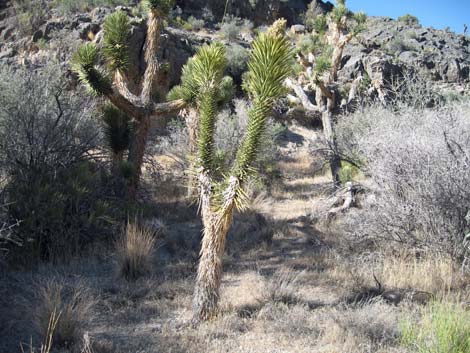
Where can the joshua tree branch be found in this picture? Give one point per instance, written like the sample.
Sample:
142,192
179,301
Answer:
154,25
301,95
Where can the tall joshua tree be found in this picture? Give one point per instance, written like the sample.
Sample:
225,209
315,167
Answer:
320,54
270,64
112,84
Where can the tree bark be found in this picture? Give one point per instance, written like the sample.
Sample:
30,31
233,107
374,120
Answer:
334,159
136,155
209,273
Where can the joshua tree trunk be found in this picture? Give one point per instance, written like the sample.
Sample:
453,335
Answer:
268,70
334,159
191,119
141,108
136,155
209,273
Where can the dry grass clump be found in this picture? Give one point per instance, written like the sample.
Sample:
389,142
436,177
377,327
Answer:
431,273
368,328
134,250
281,287
61,311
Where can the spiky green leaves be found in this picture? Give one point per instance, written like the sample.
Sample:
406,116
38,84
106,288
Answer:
199,73
116,34
270,64
116,128
320,24
203,78
360,18
339,12
84,65
162,6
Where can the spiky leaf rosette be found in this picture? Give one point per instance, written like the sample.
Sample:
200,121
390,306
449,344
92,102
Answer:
83,63
271,62
162,6
116,128
115,46
207,68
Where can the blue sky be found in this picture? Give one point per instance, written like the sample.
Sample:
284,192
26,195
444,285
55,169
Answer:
435,13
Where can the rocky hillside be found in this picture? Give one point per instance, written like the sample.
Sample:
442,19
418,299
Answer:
384,50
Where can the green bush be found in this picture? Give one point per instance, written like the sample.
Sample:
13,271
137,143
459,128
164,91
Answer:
348,172
444,328
409,19
196,24
237,60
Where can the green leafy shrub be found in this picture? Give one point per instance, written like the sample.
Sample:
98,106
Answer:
237,60
444,328
409,19
196,24
348,172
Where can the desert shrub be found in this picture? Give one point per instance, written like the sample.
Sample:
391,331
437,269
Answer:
134,250
417,160
70,306
232,27
282,287
46,140
196,24
409,19
72,6
444,328
237,58
348,172
30,15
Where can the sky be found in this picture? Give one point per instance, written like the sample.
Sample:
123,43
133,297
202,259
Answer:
431,13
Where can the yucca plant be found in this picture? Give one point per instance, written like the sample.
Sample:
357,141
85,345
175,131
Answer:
320,54
270,64
112,83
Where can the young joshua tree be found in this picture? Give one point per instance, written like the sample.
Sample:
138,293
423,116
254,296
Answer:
140,106
320,54
270,64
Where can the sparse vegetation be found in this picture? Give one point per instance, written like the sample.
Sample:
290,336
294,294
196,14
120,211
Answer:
409,20
232,27
64,308
187,205
443,328
134,250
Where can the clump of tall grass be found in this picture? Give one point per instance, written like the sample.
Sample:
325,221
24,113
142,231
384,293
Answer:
61,311
134,251
444,328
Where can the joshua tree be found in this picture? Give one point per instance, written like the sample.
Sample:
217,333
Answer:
269,66
141,106
320,55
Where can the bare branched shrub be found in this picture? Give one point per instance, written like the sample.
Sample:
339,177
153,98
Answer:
418,161
47,136
134,251
68,306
